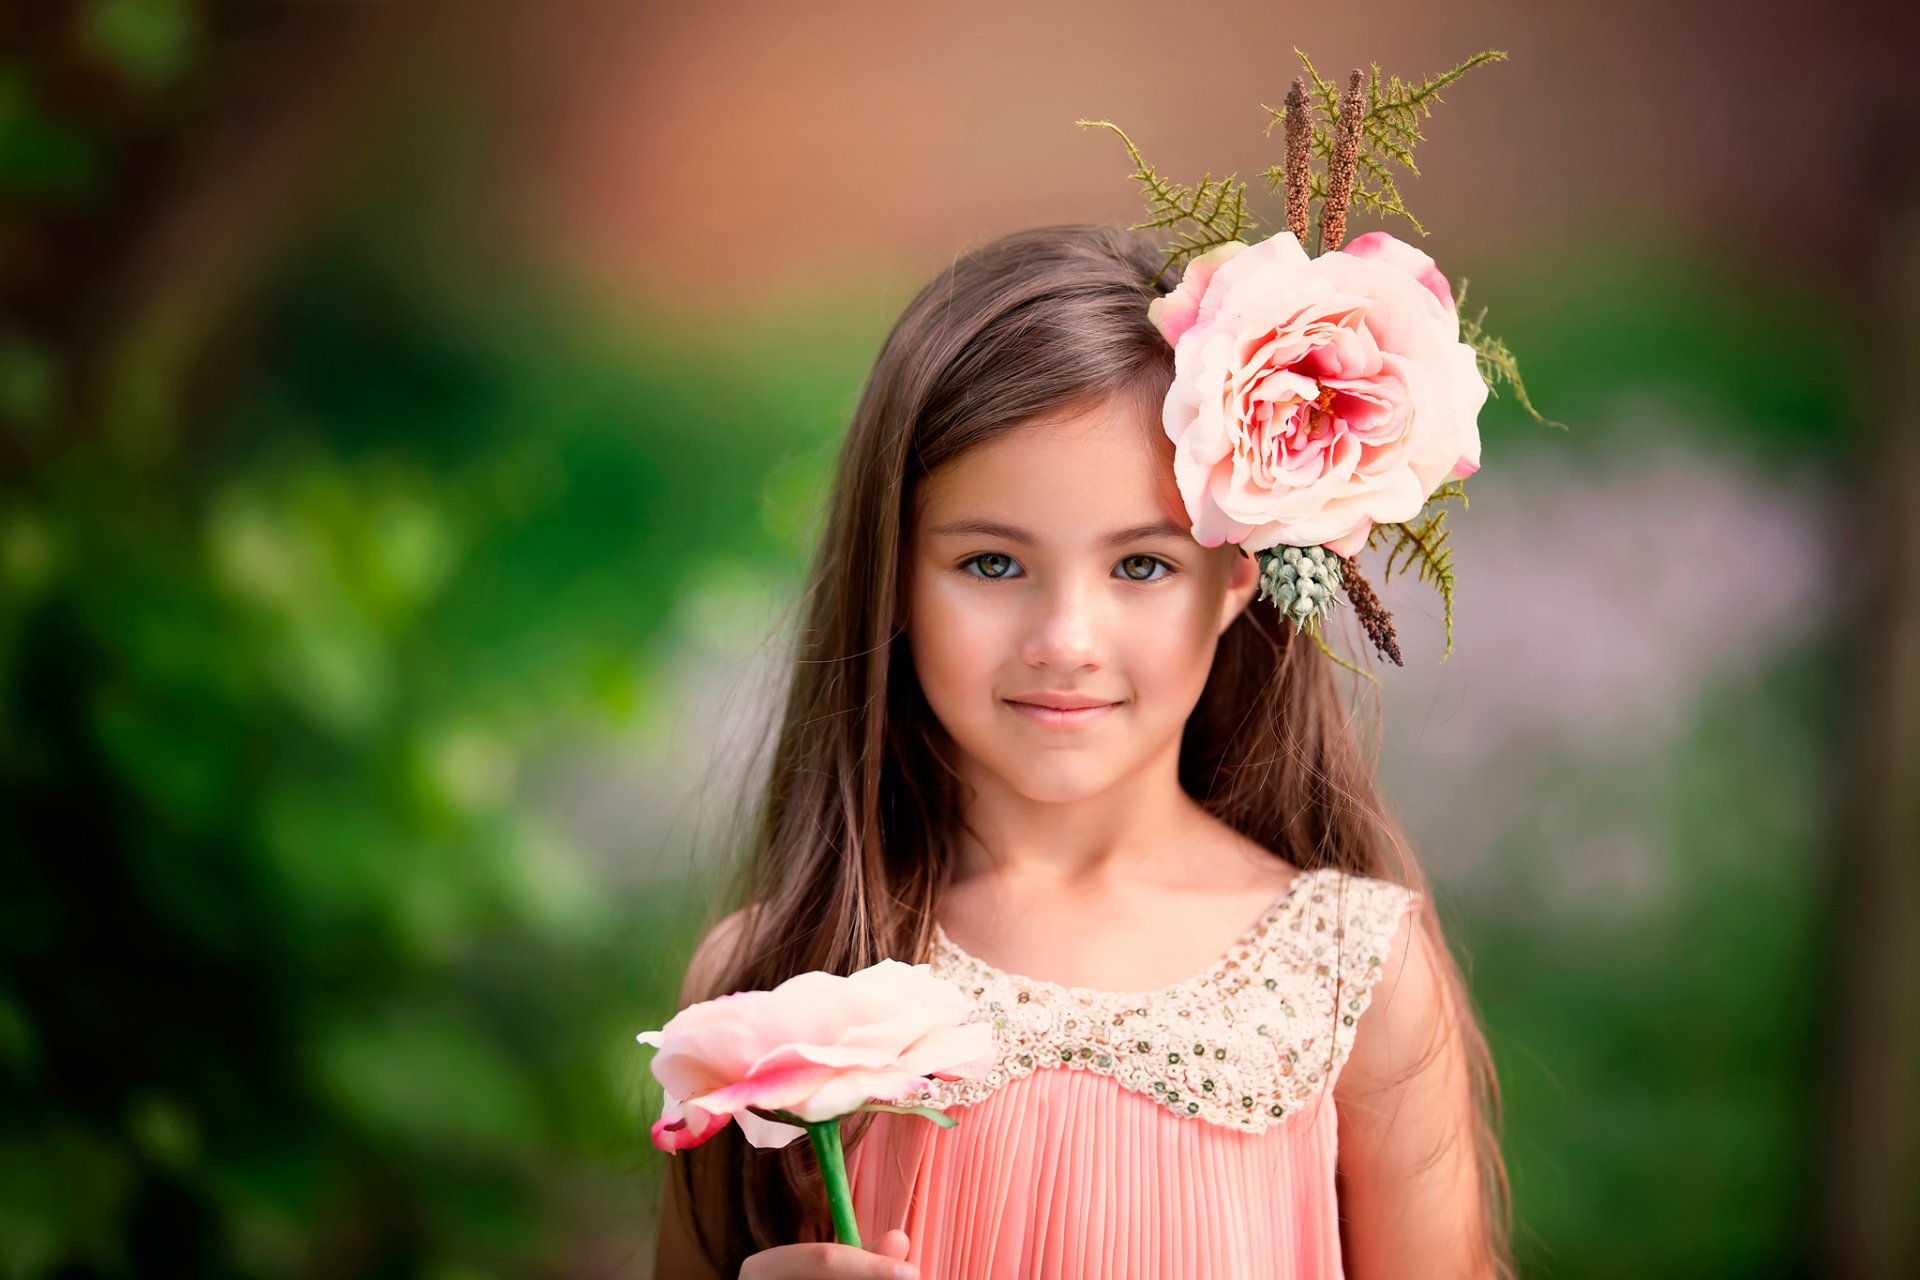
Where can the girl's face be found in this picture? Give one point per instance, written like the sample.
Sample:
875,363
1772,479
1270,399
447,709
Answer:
1056,564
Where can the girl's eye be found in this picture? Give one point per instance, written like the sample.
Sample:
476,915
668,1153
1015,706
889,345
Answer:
1146,564
995,573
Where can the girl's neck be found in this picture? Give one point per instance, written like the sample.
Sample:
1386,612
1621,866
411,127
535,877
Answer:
1123,833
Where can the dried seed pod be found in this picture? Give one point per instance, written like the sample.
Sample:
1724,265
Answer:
1373,615
1346,160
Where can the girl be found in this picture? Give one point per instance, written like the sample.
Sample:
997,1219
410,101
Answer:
1042,739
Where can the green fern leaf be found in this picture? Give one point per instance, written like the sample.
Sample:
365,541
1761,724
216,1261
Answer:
1393,118
1389,131
1201,217
1495,361
1315,631
1421,545
1387,199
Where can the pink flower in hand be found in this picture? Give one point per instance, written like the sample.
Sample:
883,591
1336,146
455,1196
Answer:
817,1047
1313,397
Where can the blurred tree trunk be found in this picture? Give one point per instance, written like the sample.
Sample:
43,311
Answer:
1872,1210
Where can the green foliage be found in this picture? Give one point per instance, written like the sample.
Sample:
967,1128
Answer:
291,944
1421,544
1493,358
1654,990
42,157
1213,213
1389,129
1681,321
1316,629
151,42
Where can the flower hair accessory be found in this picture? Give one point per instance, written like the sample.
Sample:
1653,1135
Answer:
1324,403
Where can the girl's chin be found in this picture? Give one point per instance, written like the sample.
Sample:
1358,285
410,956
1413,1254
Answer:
1044,781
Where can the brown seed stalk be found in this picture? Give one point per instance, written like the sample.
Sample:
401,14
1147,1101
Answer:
1372,614
1299,140
1346,159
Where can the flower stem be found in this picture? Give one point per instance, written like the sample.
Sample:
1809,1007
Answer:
825,1137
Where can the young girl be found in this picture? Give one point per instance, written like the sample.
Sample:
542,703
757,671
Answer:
1042,739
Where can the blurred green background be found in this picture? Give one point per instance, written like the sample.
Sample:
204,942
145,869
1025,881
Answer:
415,419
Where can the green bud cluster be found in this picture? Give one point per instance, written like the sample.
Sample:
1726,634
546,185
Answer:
1303,581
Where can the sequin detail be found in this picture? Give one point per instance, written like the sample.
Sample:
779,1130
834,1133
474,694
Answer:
1244,1044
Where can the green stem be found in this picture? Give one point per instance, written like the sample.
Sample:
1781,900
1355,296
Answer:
825,1137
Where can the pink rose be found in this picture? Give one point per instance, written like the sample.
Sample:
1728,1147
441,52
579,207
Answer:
818,1046
1313,397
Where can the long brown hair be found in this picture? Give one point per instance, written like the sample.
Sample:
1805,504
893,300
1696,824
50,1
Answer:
852,840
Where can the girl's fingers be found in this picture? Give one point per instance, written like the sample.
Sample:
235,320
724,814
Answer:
831,1262
892,1245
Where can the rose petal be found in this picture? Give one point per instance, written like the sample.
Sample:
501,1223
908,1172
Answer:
1313,398
1350,545
680,1128
817,1046
1409,259
762,1132
1175,313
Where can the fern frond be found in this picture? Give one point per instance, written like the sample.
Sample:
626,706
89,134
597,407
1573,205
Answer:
1389,131
1387,198
1321,640
1393,121
1420,544
1327,91
1449,491
1202,217
1494,359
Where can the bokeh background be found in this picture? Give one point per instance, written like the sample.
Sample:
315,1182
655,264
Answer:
413,421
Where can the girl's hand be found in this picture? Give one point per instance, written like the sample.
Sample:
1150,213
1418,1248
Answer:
833,1262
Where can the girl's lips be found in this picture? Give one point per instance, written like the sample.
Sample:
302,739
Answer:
1061,719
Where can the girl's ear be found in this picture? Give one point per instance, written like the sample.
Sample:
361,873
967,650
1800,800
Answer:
1243,583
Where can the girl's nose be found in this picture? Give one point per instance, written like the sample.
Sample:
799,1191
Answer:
1068,632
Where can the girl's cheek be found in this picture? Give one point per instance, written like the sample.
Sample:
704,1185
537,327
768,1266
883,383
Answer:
1175,640
960,638
1182,617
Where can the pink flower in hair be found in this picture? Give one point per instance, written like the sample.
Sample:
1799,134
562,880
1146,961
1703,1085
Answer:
1314,397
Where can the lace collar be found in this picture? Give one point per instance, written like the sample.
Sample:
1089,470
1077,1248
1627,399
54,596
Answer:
1214,971
1244,1043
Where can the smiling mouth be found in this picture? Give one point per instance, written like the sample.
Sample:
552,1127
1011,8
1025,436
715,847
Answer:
1059,717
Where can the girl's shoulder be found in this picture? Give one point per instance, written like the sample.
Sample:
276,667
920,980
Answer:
1326,898
1362,910
1334,932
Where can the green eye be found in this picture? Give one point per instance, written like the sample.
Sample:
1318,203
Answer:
1128,566
991,556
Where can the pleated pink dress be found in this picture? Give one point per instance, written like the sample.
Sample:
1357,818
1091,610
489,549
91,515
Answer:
1187,1132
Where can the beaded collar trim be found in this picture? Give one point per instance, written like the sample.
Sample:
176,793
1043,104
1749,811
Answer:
1243,1044
1212,973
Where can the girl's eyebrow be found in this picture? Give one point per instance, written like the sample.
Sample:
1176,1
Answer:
994,529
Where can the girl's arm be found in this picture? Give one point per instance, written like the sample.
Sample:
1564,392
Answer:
1410,1196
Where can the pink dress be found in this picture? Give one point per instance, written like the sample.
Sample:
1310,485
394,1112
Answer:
1187,1132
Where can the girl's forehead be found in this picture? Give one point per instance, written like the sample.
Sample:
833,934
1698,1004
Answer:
1102,468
